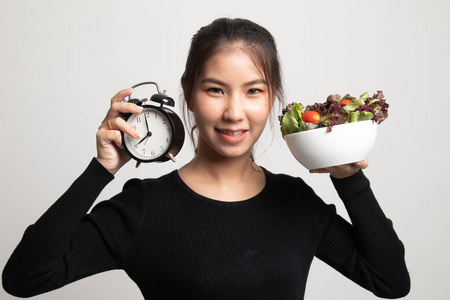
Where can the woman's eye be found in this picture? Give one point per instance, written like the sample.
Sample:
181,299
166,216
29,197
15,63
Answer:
254,91
214,91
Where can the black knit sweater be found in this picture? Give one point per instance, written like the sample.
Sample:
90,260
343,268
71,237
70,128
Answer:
176,244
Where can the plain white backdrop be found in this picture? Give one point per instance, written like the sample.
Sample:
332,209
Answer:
62,61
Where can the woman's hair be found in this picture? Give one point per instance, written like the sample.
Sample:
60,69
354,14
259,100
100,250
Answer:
258,43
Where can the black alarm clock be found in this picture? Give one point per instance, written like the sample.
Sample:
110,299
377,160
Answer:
160,129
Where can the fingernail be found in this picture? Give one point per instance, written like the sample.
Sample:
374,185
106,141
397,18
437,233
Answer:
136,135
139,108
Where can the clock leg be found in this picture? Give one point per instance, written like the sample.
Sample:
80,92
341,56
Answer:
170,155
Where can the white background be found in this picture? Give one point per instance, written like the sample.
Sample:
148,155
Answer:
61,62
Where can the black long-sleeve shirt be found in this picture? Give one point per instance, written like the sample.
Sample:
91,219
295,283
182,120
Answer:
177,244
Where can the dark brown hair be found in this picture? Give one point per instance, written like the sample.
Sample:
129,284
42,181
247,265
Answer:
255,40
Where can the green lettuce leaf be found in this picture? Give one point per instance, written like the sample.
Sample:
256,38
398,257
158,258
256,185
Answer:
363,98
356,116
292,120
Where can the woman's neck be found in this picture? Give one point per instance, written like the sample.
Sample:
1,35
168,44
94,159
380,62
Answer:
224,169
223,178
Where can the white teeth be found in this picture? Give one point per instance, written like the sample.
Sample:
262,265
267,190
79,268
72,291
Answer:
233,133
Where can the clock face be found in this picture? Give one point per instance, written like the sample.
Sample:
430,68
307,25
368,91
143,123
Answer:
156,132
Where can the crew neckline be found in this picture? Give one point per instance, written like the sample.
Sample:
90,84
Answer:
244,202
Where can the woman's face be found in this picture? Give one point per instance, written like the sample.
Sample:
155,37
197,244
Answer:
231,104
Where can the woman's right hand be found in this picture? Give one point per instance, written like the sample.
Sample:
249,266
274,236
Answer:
110,152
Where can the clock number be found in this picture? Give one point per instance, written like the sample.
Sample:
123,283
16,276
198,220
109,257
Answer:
138,120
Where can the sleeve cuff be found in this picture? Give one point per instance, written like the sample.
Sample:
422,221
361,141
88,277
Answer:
351,186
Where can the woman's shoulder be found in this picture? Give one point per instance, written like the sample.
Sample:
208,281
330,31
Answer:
136,193
284,180
294,192
139,183
289,186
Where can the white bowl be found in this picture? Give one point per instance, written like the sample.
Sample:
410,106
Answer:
346,143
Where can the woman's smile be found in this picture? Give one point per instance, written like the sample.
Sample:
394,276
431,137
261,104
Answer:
232,136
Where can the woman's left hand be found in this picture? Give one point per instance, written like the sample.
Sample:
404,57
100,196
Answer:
343,171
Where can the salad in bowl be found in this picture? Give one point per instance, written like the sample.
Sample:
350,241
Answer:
339,131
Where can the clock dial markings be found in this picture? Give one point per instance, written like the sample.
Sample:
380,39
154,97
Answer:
155,143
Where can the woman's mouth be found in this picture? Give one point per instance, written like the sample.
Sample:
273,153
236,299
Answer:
232,135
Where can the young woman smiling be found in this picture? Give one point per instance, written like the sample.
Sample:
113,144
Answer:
231,104
221,227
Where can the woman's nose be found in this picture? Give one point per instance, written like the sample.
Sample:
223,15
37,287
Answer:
234,109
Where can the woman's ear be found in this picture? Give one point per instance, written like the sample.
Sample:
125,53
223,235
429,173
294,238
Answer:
189,102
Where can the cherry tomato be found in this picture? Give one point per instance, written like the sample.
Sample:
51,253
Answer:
311,117
345,102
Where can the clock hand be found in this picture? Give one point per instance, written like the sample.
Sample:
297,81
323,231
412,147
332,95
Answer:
148,131
146,123
149,134
143,139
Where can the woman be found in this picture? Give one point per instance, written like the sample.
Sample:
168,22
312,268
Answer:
221,227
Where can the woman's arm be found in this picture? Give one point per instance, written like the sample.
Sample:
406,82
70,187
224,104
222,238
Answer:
65,244
368,251
37,264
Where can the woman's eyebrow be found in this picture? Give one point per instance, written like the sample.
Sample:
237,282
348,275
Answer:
221,83
256,81
215,81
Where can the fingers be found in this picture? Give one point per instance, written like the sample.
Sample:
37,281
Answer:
125,107
113,120
107,137
119,124
363,164
118,106
343,171
121,95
